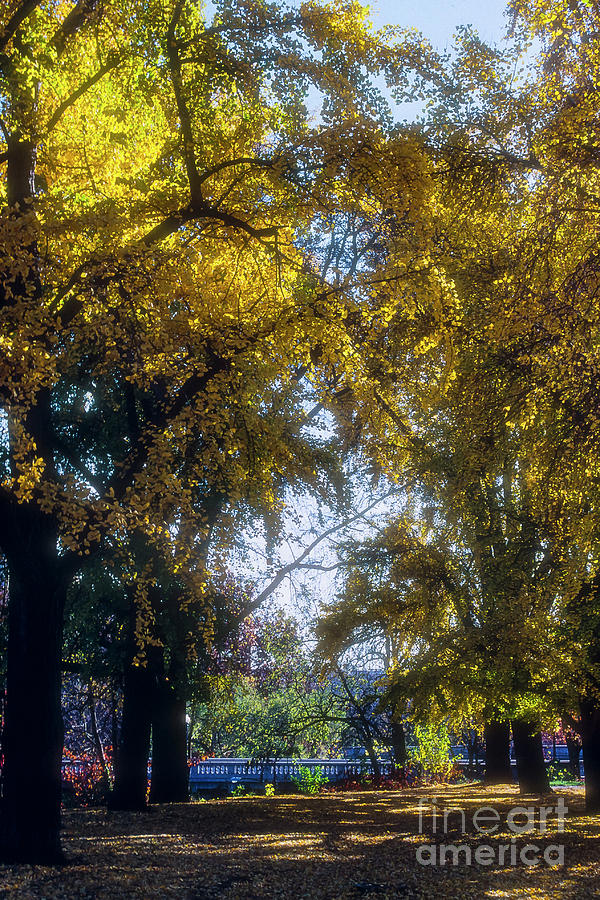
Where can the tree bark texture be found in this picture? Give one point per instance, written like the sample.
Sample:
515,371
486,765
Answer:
529,753
497,753
32,740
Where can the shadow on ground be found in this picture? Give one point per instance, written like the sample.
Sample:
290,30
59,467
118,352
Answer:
331,846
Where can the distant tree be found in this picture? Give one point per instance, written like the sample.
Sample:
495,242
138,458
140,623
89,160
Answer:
262,698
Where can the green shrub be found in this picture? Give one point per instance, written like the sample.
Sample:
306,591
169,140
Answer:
431,757
560,774
309,781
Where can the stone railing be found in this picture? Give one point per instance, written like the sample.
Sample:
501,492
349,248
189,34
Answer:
248,770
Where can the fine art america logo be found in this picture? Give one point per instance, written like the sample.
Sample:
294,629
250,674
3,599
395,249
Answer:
520,820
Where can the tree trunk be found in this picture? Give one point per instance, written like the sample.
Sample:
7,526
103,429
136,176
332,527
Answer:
574,750
590,737
170,774
190,731
133,749
497,753
477,746
529,752
471,750
114,724
32,739
96,738
398,744
373,758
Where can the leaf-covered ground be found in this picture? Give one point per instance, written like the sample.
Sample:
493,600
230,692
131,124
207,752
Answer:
331,846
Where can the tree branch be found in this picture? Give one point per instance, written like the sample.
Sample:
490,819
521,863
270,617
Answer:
16,20
69,310
239,161
297,563
182,109
77,464
72,23
111,63
193,386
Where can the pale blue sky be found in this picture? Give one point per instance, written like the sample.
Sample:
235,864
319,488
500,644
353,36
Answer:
437,19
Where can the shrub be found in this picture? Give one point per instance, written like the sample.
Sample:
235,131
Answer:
560,774
84,782
431,757
309,781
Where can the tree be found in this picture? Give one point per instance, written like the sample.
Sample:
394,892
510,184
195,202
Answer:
463,579
151,265
89,713
526,145
513,340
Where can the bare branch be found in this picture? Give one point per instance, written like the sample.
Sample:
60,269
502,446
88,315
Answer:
297,563
317,567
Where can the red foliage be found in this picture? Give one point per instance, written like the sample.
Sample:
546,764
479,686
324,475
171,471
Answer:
84,781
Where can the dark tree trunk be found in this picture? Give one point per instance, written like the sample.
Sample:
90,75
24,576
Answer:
32,740
190,731
398,744
133,749
574,751
476,743
471,750
590,737
529,753
497,753
170,774
114,724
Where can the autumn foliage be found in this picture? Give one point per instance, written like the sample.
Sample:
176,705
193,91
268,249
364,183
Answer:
227,277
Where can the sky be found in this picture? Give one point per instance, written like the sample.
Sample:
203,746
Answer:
437,19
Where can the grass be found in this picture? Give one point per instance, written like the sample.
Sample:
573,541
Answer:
331,846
